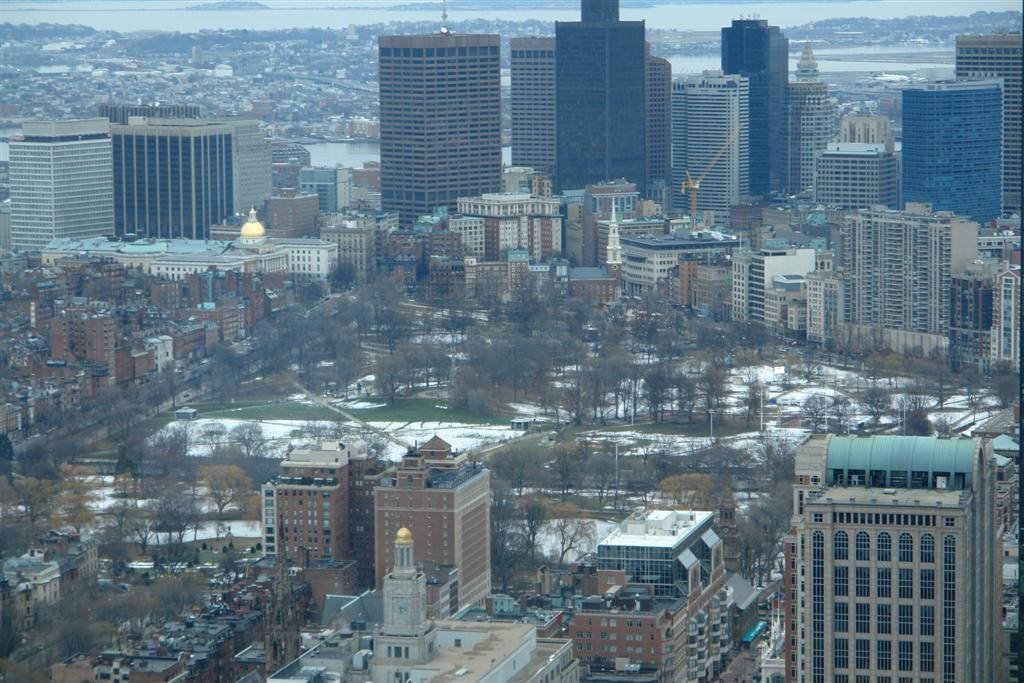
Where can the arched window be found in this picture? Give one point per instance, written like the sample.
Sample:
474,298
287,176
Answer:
906,548
927,548
884,547
840,546
863,546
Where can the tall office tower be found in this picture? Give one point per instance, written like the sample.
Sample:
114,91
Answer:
892,563
857,175
971,330
340,476
709,112
444,499
251,164
600,77
869,129
119,113
323,182
60,178
659,130
172,177
910,256
440,120
999,55
533,103
952,146
810,123
753,273
752,48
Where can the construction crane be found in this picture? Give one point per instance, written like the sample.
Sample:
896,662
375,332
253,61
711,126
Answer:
691,185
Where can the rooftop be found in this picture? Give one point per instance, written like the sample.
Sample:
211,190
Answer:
855,456
657,528
856,495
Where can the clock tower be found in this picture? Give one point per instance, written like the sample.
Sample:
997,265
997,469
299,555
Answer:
406,638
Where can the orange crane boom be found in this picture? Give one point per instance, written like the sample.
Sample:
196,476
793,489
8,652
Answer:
691,185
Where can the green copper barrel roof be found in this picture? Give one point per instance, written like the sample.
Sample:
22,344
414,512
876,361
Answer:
907,453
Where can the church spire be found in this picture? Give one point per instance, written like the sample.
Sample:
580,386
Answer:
614,255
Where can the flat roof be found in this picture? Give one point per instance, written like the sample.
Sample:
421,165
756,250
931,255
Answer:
657,528
859,495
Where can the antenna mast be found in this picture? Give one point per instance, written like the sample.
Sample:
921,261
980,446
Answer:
444,16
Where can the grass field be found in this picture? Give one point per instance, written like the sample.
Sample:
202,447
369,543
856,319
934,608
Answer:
275,410
423,410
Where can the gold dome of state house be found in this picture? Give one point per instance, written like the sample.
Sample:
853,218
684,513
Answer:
252,229
403,536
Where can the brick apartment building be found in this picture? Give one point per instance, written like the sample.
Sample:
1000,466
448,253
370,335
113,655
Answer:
443,498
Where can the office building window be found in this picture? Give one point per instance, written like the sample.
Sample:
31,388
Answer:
863,654
927,584
863,575
883,655
840,654
927,549
906,547
884,545
906,613
863,546
840,546
884,582
884,619
863,617
840,617
906,655
906,584
840,580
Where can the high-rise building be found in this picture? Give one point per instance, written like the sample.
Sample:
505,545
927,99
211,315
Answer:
666,567
857,175
172,177
909,256
971,321
60,177
533,103
250,164
119,113
492,224
754,272
810,123
893,561
1006,311
999,55
709,112
323,182
440,120
658,127
752,48
870,129
444,498
600,83
952,146
320,507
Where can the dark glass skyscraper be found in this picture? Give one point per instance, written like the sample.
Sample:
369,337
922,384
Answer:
172,178
440,120
952,146
752,48
600,76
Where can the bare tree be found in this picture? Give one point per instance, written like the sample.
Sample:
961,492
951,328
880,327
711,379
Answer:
533,515
815,411
573,535
249,437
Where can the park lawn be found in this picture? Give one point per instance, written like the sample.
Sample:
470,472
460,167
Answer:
723,427
276,410
422,410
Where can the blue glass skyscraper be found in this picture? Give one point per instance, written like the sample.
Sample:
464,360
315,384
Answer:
600,72
952,146
752,48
